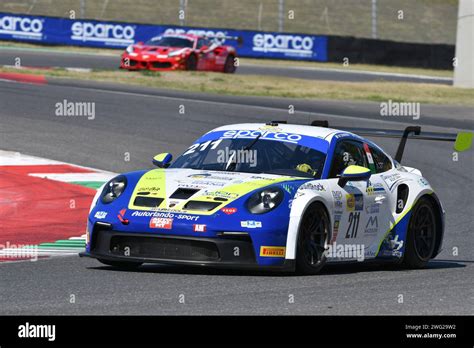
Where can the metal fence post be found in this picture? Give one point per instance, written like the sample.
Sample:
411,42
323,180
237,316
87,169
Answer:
281,16
82,8
374,19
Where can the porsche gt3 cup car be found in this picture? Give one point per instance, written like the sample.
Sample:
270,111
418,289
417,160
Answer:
270,196
180,52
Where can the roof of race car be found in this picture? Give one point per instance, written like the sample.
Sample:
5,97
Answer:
312,131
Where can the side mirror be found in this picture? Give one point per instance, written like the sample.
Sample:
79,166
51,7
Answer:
204,48
354,173
163,160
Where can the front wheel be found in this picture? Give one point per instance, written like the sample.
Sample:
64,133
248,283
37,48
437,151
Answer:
191,63
121,264
313,237
421,235
229,66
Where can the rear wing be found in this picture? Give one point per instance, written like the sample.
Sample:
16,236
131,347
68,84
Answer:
239,39
462,140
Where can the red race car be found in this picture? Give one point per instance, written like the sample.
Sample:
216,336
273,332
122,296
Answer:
180,52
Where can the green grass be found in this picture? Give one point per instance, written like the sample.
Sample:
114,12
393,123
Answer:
429,21
273,86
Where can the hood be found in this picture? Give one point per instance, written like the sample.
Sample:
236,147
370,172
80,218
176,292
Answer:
162,50
196,191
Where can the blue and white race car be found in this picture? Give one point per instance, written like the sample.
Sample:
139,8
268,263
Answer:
270,196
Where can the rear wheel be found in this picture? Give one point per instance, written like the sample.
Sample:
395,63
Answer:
121,264
191,63
229,66
421,235
313,237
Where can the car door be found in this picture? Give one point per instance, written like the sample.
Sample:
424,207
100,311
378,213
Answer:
359,204
206,58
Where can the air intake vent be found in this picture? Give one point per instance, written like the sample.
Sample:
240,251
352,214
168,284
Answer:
149,202
183,193
203,206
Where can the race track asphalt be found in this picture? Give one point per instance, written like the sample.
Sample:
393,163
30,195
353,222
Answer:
50,58
142,123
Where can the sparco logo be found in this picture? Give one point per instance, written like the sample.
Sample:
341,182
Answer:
111,34
21,27
288,44
199,32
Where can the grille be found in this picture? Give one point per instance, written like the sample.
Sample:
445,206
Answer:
163,248
150,202
203,206
183,193
161,65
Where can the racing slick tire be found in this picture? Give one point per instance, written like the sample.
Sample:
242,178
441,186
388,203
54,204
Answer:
313,237
121,264
191,63
421,235
229,66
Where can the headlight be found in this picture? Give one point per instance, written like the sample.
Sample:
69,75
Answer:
264,201
129,49
113,189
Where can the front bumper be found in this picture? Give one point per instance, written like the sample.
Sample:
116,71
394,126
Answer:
138,63
226,252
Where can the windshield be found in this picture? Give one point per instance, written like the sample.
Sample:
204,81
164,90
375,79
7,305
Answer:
169,41
253,156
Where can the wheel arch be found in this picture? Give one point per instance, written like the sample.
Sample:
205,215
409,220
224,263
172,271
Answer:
296,215
439,211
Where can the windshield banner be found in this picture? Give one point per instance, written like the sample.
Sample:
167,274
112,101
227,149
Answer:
79,32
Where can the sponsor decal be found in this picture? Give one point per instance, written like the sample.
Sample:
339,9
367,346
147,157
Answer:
354,202
200,184
100,215
372,209
267,135
335,230
165,214
392,179
372,225
21,27
374,188
199,228
121,216
229,211
291,45
199,176
315,187
337,195
220,194
163,223
149,189
272,251
109,34
251,224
